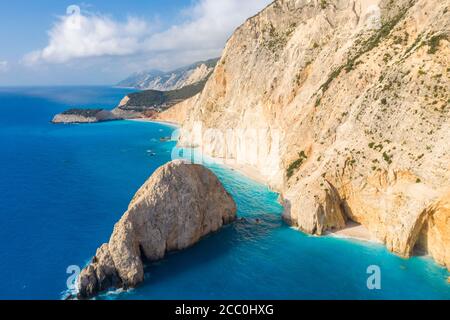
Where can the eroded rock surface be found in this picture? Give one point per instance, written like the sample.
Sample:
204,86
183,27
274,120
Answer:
174,209
358,92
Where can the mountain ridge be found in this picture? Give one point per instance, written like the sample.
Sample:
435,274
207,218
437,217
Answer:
170,80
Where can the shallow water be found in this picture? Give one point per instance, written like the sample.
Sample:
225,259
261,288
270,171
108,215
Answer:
62,188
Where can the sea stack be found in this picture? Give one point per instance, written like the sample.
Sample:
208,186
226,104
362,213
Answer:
177,206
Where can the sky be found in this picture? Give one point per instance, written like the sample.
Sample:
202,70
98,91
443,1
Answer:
100,42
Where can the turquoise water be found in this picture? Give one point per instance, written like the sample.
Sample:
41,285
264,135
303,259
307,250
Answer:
62,188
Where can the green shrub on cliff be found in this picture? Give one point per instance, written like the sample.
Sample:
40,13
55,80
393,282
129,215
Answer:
296,164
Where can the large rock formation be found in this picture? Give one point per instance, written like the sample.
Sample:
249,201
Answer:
174,209
357,94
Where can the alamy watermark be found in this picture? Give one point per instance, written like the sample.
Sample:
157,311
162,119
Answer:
73,271
74,17
374,279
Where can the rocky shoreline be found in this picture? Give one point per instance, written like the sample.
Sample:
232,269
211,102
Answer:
84,116
148,104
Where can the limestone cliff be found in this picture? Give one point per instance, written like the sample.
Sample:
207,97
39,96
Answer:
174,209
178,113
357,94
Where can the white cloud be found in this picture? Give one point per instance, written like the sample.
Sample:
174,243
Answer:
205,28
209,24
3,65
89,35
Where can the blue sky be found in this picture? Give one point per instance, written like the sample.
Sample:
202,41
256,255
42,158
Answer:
106,40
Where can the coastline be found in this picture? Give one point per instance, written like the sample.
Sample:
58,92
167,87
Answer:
247,171
168,123
353,231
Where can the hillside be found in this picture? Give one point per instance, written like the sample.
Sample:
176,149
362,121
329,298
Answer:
150,102
172,80
351,99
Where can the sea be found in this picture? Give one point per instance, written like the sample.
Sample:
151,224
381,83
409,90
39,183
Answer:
63,187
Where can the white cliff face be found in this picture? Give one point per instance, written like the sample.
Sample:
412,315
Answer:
178,113
198,74
354,98
174,209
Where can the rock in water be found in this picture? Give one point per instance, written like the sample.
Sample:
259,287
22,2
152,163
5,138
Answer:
174,209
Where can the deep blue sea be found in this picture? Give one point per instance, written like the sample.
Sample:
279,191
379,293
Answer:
62,188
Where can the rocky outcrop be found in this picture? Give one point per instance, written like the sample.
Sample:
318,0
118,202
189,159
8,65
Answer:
435,234
84,116
174,209
357,92
321,210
